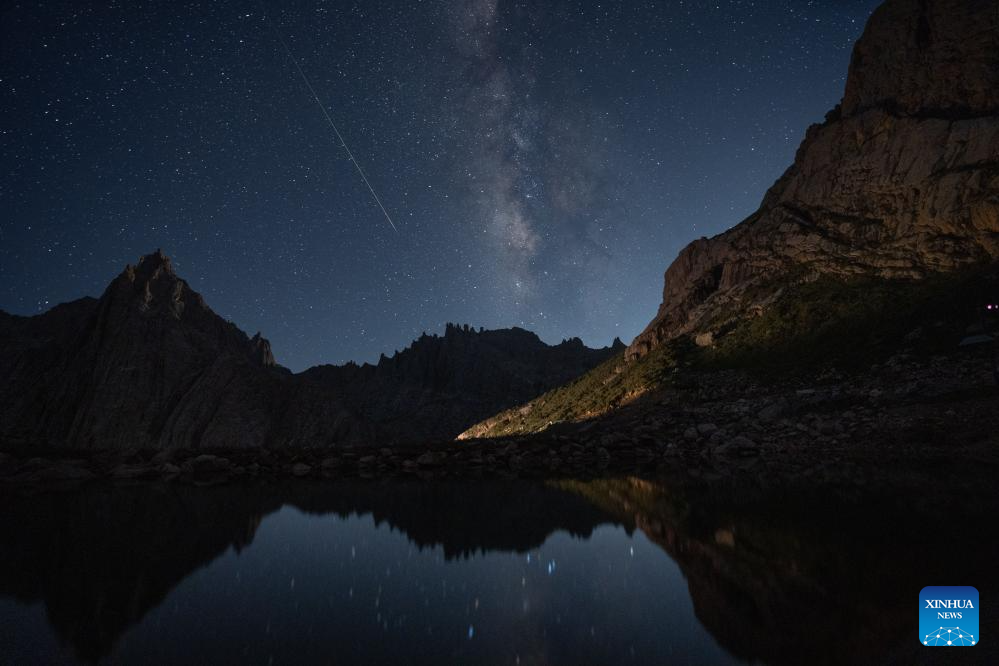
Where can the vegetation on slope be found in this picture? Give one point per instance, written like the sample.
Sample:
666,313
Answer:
606,387
853,323
848,324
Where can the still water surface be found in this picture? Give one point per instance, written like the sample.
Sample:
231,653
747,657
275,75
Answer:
622,570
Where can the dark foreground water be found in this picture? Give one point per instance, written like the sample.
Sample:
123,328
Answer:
622,570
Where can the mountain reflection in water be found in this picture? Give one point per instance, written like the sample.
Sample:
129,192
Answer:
573,572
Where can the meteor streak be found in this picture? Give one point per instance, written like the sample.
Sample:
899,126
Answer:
329,118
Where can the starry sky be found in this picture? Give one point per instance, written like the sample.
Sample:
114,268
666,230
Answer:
542,161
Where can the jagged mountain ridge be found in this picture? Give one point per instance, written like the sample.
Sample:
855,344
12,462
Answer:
900,181
436,384
150,365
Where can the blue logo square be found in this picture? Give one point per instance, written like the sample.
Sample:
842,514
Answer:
948,616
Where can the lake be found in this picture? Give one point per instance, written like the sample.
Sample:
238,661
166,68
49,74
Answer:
600,571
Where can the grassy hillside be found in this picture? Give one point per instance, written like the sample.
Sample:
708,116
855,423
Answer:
848,324
852,323
606,387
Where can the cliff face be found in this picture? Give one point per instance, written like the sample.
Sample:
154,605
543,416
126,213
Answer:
902,180
149,365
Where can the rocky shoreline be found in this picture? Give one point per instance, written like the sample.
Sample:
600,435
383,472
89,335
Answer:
907,404
831,426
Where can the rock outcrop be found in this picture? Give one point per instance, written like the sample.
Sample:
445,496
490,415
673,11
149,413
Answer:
900,181
149,365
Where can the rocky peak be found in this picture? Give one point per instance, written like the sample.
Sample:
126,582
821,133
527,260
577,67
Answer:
260,348
455,329
150,299
152,286
150,365
151,266
901,181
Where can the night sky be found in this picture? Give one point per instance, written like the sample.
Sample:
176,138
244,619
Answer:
543,162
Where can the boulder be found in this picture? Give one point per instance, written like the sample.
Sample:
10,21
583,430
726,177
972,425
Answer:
208,464
428,459
773,411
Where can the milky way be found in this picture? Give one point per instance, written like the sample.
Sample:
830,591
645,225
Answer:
544,161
